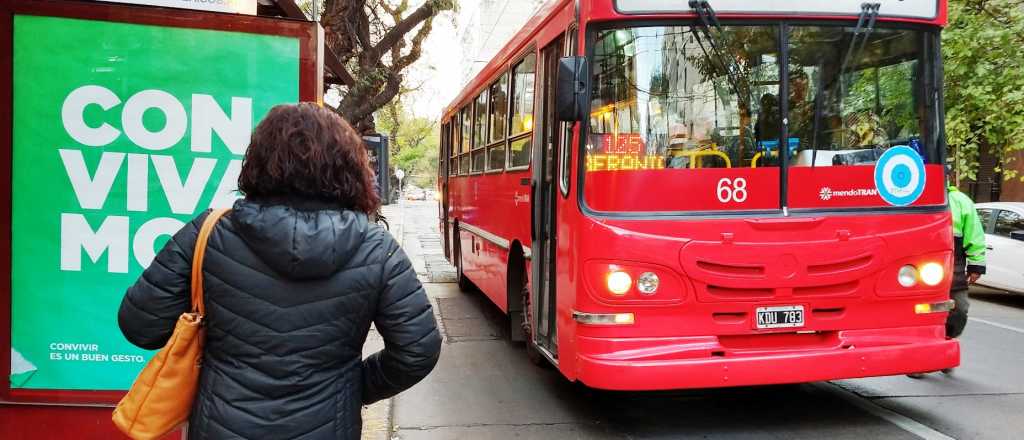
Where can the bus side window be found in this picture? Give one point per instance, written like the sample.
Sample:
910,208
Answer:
479,132
442,163
453,145
465,139
498,121
523,82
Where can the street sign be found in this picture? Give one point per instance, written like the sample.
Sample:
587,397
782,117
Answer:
377,149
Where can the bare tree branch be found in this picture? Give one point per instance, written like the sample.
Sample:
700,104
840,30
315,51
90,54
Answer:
372,41
425,12
417,47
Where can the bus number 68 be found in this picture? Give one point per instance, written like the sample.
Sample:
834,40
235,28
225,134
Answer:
732,190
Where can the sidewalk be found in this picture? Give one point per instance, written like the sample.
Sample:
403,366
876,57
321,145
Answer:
422,243
483,387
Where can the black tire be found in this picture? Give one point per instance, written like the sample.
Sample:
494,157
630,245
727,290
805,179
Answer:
518,325
532,352
464,283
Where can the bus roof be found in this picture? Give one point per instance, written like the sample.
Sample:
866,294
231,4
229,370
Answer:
928,10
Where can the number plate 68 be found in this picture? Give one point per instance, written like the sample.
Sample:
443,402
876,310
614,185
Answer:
732,190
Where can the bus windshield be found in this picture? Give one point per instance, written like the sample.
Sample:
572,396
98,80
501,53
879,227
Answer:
701,113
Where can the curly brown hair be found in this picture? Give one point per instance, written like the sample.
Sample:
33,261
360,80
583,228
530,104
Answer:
306,152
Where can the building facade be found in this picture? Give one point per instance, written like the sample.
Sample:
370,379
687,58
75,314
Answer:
990,185
484,26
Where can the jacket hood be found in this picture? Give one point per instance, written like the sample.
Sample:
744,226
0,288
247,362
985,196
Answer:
300,239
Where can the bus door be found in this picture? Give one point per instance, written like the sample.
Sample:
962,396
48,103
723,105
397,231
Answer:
442,180
545,195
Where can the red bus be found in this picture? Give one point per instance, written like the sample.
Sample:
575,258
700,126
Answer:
665,194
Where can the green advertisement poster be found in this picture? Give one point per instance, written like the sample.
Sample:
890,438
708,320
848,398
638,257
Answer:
122,133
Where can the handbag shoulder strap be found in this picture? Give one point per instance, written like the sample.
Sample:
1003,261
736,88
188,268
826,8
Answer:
197,259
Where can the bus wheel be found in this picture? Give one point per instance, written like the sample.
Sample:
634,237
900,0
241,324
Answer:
464,283
532,352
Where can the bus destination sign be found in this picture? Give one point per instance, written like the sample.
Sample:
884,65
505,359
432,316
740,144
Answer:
921,9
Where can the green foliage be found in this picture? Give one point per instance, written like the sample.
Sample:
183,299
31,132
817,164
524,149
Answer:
895,96
983,48
414,145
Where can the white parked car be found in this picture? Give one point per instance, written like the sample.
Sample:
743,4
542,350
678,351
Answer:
414,193
1004,238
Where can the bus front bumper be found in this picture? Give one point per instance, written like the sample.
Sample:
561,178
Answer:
726,361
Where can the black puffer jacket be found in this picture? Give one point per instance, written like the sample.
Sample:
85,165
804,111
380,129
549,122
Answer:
291,290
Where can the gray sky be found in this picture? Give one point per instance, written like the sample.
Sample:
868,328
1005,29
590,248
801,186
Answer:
438,70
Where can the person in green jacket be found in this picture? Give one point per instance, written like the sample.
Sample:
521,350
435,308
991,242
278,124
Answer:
968,257
968,260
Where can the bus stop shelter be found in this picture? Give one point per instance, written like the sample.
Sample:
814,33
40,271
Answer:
120,122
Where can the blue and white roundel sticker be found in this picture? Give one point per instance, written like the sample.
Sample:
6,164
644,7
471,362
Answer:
900,176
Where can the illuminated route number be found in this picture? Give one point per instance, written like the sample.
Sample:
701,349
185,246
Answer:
732,190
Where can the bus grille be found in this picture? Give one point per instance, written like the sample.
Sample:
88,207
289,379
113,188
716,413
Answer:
777,271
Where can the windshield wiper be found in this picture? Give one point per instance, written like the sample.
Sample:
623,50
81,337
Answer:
865,24
709,19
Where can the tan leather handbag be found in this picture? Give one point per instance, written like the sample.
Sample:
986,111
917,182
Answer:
161,397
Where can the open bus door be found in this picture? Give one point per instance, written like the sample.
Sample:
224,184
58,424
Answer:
442,185
545,185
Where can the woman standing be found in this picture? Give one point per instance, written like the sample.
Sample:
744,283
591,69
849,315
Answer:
294,275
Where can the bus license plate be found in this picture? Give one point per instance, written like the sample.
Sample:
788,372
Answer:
780,317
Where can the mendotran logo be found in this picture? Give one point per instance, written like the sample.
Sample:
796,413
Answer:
828,193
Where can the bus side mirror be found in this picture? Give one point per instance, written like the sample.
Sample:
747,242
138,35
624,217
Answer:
570,95
1017,235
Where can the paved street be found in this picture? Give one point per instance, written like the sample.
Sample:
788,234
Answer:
485,388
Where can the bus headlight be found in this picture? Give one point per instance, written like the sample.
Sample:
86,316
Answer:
619,282
647,284
907,276
932,273
624,282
